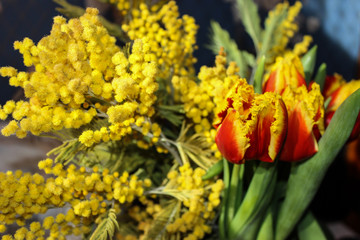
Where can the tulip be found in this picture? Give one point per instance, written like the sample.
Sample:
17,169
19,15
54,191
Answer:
331,84
305,122
251,126
337,97
287,71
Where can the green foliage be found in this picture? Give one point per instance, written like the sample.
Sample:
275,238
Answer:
308,61
259,72
67,151
247,219
172,113
251,20
321,75
162,219
221,38
309,228
194,147
106,229
223,225
270,36
214,170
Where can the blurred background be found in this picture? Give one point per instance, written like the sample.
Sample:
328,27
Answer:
334,25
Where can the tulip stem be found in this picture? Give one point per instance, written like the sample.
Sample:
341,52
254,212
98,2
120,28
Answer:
240,187
223,212
231,205
256,201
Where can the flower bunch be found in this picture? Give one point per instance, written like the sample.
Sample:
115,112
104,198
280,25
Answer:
87,195
142,133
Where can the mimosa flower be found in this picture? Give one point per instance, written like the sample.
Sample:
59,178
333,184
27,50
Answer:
338,96
287,71
251,126
305,122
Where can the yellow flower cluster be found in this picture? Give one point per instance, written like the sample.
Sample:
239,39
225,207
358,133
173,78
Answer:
172,39
203,198
88,193
133,90
124,6
81,74
202,101
287,29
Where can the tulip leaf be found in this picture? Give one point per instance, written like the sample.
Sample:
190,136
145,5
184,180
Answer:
221,38
309,229
321,75
259,75
266,231
306,176
214,170
251,20
248,217
308,61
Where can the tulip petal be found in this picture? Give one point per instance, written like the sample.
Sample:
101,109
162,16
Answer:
269,134
305,121
300,142
231,140
287,71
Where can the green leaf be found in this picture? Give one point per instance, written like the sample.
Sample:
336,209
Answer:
270,36
246,221
172,113
259,75
221,38
251,20
162,219
321,75
306,176
266,231
309,228
214,170
106,228
308,61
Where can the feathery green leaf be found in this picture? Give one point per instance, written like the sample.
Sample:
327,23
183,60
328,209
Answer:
251,20
162,219
106,229
221,38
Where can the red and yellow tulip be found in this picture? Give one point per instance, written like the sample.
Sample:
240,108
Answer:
305,108
287,71
251,126
337,97
306,122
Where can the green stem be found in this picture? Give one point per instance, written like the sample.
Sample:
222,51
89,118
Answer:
231,205
222,219
257,199
240,186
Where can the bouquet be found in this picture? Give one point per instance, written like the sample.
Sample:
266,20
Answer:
153,149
